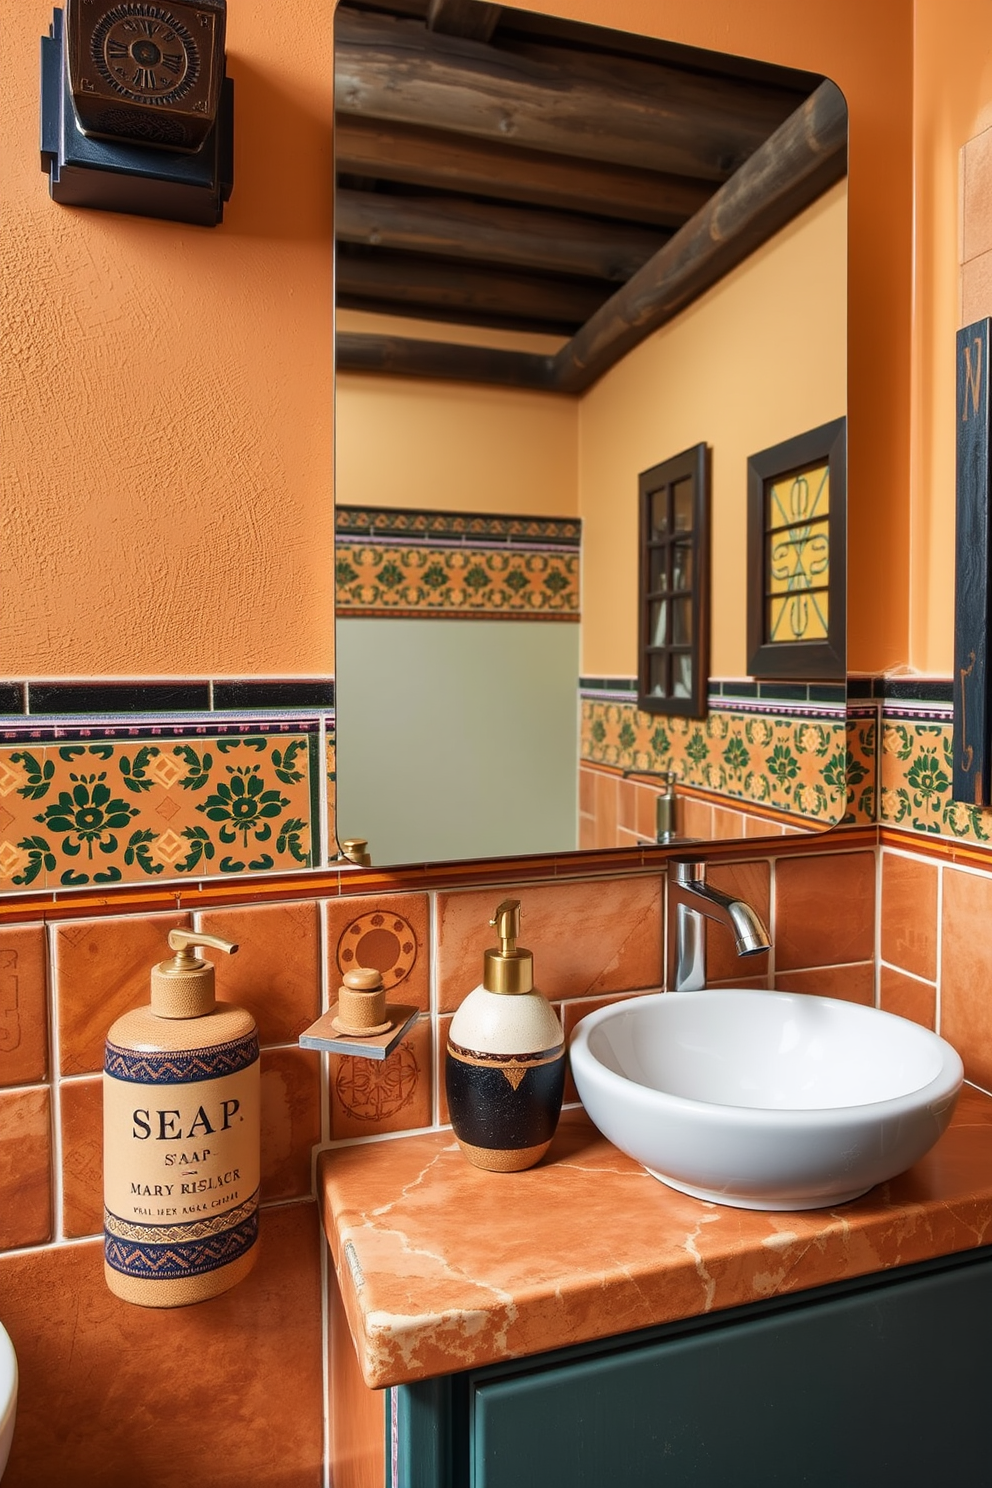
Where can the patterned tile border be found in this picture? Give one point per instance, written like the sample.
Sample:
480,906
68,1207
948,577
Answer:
794,760
129,802
916,773
415,564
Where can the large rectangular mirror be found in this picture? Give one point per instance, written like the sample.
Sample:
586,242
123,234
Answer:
564,256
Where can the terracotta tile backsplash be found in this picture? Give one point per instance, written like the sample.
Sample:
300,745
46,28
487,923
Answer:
25,1167
907,996
275,974
594,941
966,971
824,910
23,1005
588,938
103,1385
82,1156
849,983
102,969
389,933
290,1121
372,1096
909,914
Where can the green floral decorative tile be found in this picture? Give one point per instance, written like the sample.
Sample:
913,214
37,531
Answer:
467,582
793,763
116,804
917,765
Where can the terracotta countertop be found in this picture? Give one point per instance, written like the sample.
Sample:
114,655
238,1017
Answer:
443,1267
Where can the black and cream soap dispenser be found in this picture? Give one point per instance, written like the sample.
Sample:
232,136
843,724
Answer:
505,1065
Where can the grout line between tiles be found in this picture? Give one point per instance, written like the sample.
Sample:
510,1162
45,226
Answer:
877,978
939,950
54,1074
325,1352
912,975
433,1003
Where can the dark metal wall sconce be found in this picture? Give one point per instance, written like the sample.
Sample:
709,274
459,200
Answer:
137,113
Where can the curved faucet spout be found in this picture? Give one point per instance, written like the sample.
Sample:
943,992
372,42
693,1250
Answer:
689,899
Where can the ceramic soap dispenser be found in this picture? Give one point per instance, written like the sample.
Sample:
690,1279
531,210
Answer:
181,1152
505,1065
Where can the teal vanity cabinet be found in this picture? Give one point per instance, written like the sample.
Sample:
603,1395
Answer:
882,1382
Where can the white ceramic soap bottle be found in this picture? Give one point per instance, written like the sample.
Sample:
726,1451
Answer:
505,1065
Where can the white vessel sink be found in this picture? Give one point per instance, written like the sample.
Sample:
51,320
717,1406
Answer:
8,1395
764,1100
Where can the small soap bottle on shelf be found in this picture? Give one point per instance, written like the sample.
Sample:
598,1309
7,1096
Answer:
505,1064
181,1150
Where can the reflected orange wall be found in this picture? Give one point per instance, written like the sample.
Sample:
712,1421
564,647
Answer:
759,358
167,443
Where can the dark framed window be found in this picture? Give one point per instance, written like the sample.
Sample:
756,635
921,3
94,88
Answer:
673,585
797,556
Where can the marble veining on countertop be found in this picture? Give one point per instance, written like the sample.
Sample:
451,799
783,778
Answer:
443,1267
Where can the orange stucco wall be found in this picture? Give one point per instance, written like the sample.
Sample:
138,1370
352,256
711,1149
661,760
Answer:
167,399
166,390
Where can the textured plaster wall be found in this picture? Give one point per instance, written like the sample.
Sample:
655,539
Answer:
166,390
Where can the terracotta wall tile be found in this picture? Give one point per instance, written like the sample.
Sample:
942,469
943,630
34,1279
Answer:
908,997
695,818
390,932
440,1045
25,1167
824,910
370,1096
587,833
102,969
909,914
854,983
587,790
23,1005
106,1396
750,881
966,971
647,812
759,983
607,809
275,974
82,1156
728,823
627,796
588,938
290,1121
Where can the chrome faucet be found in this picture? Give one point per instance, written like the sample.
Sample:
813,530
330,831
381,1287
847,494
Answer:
689,900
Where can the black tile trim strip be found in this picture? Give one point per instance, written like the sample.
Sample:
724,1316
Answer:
908,689
68,699
46,730
831,694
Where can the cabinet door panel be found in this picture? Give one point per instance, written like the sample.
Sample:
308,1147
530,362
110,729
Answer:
886,1386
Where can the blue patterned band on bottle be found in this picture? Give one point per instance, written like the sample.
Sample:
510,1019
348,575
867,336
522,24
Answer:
164,1252
181,1067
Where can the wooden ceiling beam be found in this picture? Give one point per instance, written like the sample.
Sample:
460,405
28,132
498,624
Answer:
549,242
805,156
402,356
433,158
605,108
801,161
475,19
429,290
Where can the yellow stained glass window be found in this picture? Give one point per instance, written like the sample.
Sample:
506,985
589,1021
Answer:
797,557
